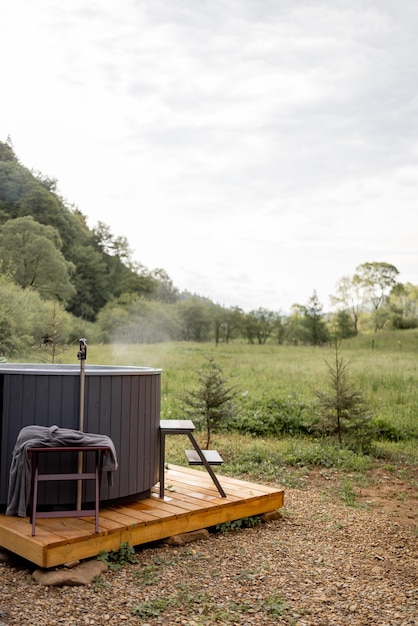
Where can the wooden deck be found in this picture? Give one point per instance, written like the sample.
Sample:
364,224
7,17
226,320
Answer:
191,502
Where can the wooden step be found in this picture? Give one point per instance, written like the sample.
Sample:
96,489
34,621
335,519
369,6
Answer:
212,457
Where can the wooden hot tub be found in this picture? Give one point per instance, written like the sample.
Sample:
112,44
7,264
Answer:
122,402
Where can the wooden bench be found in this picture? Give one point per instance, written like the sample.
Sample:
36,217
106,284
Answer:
36,477
197,456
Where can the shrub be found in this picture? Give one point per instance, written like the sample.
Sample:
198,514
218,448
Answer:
273,417
390,431
324,454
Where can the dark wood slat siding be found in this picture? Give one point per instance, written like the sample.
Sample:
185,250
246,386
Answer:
128,415
157,402
125,406
97,412
145,443
144,410
49,410
43,400
6,445
125,414
135,437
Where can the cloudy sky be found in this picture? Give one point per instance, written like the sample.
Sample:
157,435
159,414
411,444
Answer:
257,150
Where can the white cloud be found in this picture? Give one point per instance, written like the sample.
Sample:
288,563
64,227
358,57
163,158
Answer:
255,150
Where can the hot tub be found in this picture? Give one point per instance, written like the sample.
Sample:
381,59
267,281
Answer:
122,402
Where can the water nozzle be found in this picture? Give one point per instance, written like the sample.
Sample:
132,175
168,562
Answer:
82,353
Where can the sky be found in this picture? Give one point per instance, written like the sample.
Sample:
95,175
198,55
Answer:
256,150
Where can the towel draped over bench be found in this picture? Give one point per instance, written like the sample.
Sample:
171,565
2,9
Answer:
48,437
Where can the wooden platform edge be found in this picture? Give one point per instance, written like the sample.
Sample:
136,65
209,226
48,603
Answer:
15,532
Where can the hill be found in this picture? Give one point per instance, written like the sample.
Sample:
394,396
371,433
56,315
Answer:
99,264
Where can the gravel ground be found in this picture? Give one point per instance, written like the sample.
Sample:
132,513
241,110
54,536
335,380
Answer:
322,563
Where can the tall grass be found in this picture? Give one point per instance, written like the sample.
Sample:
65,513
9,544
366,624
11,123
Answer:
382,367
386,373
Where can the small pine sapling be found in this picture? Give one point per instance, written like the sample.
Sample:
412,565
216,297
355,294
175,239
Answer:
212,402
342,411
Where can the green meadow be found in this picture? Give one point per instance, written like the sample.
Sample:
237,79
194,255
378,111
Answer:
383,367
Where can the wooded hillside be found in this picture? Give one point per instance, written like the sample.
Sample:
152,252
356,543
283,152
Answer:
97,265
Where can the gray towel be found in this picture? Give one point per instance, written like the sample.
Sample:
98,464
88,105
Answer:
48,437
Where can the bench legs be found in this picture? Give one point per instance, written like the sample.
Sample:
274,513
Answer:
162,464
199,452
37,477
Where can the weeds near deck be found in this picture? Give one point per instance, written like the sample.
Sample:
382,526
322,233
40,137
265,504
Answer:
115,559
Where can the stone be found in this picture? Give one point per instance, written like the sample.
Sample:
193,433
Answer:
82,574
71,564
271,516
6,556
181,540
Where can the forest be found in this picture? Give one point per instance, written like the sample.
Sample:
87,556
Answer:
60,279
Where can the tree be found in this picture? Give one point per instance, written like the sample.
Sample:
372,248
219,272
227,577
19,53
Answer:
218,314
212,403
403,303
295,326
30,254
123,274
233,322
195,319
344,326
314,321
109,244
6,151
44,206
91,281
342,411
349,298
13,178
259,325
164,289
22,313
103,266
376,280
56,333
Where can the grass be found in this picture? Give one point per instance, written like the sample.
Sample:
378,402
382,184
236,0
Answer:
382,367
386,375
283,461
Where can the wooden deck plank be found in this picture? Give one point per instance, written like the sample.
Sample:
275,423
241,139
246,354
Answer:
233,484
192,503
226,480
182,493
203,486
65,528
183,504
233,491
202,477
193,491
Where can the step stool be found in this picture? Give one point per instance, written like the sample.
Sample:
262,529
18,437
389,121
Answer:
212,457
185,427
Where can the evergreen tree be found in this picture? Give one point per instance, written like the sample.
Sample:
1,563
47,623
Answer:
212,403
342,411
313,319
